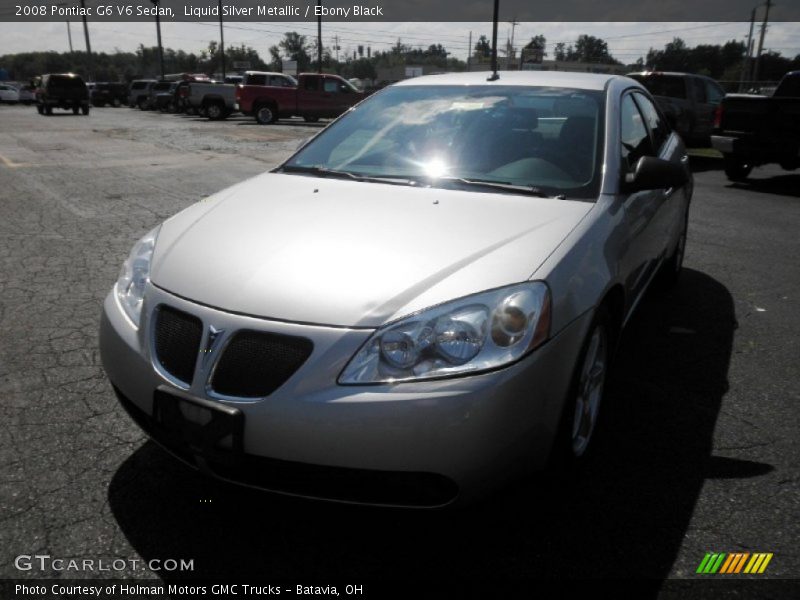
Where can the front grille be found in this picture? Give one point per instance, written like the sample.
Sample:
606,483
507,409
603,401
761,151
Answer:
177,342
254,364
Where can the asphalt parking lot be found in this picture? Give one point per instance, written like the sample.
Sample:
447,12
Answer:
699,452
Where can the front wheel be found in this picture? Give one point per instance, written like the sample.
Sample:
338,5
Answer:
581,413
265,115
75,110
40,109
85,110
737,169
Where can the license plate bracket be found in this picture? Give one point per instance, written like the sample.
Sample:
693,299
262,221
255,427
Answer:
207,429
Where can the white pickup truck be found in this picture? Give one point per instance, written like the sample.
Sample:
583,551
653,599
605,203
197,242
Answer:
217,100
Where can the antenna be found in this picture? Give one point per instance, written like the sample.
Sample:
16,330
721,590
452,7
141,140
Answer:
494,76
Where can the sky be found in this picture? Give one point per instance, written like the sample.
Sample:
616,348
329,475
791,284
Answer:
626,41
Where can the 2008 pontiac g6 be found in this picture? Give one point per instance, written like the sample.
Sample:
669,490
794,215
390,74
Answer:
418,305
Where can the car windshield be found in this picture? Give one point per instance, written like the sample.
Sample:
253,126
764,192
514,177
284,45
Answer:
542,138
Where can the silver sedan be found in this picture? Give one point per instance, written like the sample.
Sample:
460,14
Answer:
420,304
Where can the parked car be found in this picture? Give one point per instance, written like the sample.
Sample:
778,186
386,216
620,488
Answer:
66,91
315,96
757,130
165,101
8,94
159,87
139,92
27,94
212,99
421,303
112,94
687,100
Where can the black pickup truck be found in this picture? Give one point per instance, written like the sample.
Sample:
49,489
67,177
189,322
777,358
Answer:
751,131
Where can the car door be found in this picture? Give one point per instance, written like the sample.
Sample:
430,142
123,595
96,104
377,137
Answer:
641,209
311,96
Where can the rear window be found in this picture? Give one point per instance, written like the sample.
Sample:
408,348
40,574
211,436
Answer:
256,80
160,87
671,86
65,83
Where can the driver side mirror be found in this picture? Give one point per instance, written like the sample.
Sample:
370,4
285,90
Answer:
652,173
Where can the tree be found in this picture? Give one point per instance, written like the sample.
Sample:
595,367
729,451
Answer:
590,49
560,51
483,48
534,50
295,47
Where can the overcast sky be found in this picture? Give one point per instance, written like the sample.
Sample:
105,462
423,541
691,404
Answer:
626,41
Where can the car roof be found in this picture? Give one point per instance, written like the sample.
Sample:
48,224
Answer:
582,81
668,73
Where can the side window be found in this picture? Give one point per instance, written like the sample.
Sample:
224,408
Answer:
658,126
714,92
256,80
635,141
331,86
699,90
311,84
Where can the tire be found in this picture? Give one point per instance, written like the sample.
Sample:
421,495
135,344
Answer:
265,114
579,420
48,110
75,110
85,110
40,109
140,104
737,169
116,103
215,111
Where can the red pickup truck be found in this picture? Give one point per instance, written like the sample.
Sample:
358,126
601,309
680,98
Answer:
315,96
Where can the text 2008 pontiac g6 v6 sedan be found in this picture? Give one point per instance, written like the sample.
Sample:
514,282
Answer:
419,304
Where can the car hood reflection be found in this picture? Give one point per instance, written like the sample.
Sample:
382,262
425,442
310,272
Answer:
347,253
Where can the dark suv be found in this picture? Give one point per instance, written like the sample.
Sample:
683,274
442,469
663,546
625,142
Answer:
67,91
114,94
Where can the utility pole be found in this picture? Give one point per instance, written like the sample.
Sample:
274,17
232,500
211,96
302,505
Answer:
469,53
88,44
221,41
336,46
319,37
514,24
748,66
158,33
761,40
69,35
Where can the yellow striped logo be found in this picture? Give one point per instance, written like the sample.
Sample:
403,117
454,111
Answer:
734,563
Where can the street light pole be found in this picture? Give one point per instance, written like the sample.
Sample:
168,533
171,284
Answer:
494,76
88,44
158,33
761,40
319,38
221,41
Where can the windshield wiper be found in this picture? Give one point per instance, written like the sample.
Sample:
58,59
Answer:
530,190
326,172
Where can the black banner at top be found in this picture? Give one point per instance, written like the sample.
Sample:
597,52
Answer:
395,10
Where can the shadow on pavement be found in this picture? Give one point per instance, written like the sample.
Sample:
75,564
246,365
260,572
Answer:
780,185
625,515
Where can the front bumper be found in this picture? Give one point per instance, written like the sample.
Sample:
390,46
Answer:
450,440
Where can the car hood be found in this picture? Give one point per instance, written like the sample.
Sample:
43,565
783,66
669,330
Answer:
353,254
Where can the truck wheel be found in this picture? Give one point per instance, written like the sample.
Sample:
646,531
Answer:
140,103
215,111
737,169
265,115
75,110
85,110
40,109
48,110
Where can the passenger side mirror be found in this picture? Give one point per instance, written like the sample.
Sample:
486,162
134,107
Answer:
652,173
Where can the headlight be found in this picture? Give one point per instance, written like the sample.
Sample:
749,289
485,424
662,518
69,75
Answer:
134,275
476,333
